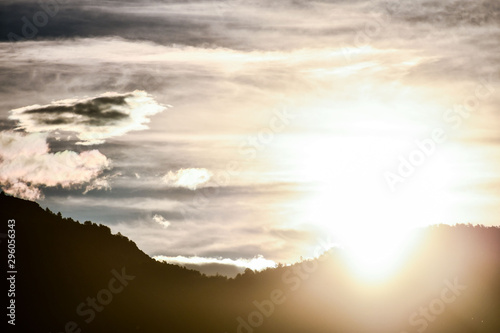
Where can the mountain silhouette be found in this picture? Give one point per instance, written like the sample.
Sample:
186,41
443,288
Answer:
74,277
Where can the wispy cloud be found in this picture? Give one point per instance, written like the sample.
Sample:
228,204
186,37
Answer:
161,220
94,119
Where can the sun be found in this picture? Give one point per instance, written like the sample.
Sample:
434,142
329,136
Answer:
376,257
348,198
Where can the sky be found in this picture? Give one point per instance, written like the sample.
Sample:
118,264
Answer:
234,134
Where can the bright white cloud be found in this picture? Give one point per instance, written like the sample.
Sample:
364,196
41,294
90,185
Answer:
161,220
189,178
26,165
94,119
257,264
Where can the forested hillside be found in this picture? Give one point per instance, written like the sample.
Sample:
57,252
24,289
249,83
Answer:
74,277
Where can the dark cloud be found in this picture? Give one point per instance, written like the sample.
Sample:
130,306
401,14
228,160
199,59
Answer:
447,13
103,19
95,112
92,119
231,24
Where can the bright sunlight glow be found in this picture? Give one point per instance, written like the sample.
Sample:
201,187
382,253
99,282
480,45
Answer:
350,200
373,256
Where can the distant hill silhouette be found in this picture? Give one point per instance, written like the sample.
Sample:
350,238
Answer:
75,277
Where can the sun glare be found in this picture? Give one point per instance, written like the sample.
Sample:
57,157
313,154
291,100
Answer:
348,198
376,256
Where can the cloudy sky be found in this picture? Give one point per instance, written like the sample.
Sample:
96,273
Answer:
245,133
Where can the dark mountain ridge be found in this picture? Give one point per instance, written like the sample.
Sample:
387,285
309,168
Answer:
74,277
